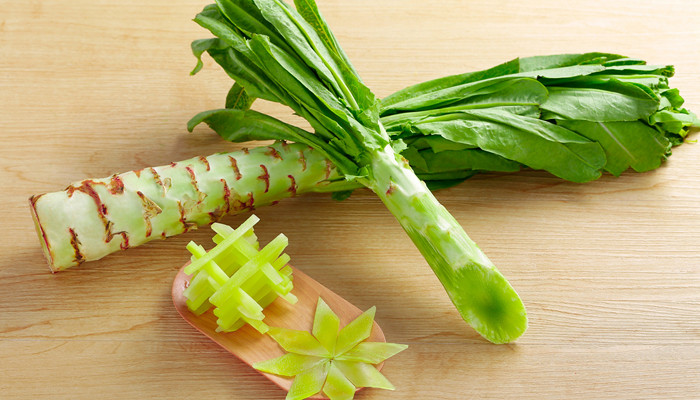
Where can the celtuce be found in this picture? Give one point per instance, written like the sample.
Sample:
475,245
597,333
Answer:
446,139
96,217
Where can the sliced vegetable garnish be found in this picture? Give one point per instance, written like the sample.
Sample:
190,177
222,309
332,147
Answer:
238,278
335,363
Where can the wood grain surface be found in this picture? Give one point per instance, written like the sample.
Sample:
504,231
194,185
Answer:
609,270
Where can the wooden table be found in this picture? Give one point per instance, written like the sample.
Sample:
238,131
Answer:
609,270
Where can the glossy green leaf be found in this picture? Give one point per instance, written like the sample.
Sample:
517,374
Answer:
309,382
309,11
238,98
290,364
363,375
337,386
355,332
626,144
499,91
530,141
246,17
599,102
326,326
458,160
300,342
372,352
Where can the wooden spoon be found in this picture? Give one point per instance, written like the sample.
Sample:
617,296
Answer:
251,346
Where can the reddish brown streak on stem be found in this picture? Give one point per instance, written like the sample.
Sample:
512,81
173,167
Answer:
302,160
32,203
205,162
249,204
75,243
328,168
156,177
125,240
227,196
186,225
234,166
245,150
272,152
116,186
293,187
86,187
147,215
265,176
391,189
193,179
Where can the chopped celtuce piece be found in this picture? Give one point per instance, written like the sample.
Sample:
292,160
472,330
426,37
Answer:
299,342
237,278
371,352
343,358
338,386
309,382
355,332
363,375
290,364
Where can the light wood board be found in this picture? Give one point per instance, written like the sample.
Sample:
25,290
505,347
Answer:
609,270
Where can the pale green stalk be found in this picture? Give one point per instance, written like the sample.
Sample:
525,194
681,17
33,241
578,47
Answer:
95,217
482,295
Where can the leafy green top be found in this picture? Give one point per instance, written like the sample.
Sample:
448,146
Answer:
330,360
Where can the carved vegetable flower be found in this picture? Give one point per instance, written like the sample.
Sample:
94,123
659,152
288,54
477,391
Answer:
330,361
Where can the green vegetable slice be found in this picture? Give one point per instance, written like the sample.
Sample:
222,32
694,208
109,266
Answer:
337,373
309,382
355,332
326,325
372,352
300,342
338,386
290,364
363,375
237,278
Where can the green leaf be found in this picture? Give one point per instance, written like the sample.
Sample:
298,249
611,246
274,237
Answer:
342,195
300,342
355,332
372,352
599,101
305,43
363,375
238,98
459,160
444,182
309,11
390,102
530,141
289,364
337,386
202,45
246,17
326,325
244,125
538,66
626,144
564,60
497,91
309,382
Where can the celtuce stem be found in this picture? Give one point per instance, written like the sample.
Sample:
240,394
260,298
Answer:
95,217
483,296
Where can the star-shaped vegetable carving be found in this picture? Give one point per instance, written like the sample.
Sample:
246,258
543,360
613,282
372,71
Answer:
328,360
